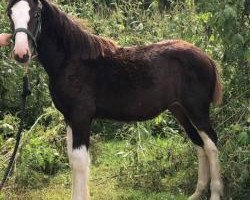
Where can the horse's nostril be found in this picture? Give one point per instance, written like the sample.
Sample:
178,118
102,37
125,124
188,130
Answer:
23,59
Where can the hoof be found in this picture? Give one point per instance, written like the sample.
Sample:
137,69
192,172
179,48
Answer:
215,197
194,196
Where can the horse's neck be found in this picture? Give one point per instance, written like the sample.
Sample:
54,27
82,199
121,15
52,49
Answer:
62,40
50,53
57,43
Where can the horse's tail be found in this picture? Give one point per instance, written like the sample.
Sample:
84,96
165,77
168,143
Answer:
217,90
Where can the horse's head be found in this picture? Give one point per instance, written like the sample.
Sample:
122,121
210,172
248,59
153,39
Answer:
25,17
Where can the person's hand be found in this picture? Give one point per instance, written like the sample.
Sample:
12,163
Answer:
4,39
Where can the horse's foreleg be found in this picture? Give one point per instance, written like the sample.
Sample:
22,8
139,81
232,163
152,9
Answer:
80,166
203,174
77,142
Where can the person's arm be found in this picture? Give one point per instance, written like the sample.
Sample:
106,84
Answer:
4,39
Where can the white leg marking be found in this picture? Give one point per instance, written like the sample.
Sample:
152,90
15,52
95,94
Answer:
69,143
211,150
21,18
203,174
79,160
80,165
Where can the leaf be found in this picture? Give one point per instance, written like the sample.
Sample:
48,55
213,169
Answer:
243,138
238,39
229,13
247,55
7,126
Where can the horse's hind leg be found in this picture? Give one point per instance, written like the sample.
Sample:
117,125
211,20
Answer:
203,171
203,174
200,118
216,185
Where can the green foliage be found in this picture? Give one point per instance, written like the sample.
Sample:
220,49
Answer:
154,157
43,148
235,160
44,151
156,164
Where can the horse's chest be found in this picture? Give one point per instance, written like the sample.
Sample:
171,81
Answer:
56,97
69,89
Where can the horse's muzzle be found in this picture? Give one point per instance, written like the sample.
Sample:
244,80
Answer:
24,58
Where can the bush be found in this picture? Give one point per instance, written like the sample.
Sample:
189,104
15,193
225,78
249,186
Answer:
156,164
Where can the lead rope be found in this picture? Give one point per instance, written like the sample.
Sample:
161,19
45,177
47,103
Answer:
25,93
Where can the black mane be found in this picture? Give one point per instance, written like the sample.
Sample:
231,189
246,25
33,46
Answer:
70,36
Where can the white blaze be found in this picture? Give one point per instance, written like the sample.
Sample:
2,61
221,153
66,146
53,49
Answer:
21,18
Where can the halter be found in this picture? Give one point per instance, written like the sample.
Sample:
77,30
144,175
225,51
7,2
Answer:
34,36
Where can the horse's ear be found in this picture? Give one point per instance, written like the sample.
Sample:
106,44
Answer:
42,1
10,4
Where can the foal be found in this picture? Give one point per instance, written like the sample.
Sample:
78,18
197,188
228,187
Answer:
90,77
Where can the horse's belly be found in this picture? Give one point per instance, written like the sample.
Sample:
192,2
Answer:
132,110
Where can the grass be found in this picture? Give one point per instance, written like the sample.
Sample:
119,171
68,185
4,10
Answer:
103,182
